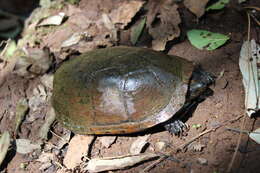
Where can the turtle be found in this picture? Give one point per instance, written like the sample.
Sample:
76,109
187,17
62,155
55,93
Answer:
123,90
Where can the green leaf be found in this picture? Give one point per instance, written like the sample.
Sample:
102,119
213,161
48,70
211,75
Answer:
203,39
218,5
4,145
255,135
9,50
137,30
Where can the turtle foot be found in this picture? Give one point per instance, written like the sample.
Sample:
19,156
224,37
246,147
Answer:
176,127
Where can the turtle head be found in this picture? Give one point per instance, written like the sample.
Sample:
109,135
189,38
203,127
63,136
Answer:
199,84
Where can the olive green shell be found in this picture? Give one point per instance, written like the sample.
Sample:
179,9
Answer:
119,90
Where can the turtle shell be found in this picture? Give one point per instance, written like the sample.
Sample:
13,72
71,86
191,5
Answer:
119,90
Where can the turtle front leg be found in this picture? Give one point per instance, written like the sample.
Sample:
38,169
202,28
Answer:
176,127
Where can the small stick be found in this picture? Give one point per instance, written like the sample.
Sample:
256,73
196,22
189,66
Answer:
181,147
241,131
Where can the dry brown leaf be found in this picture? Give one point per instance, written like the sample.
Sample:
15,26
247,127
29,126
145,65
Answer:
78,147
196,7
53,20
163,19
138,145
106,164
35,62
107,141
45,128
122,15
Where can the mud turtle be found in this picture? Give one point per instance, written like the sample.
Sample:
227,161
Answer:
123,90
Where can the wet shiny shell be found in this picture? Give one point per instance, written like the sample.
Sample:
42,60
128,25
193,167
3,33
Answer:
119,90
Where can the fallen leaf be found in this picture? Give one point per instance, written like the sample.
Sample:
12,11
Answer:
162,20
138,145
196,7
137,30
203,39
122,15
107,141
249,66
45,166
255,135
8,50
9,63
47,160
44,130
78,147
47,80
4,145
38,98
25,146
220,4
46,157
74,39
107,164
53,20
21,110
34,62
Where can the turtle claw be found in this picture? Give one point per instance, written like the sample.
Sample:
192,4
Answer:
176,127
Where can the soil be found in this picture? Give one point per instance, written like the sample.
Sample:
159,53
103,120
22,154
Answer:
226,104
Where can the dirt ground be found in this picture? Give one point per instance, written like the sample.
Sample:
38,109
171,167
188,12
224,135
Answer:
226,104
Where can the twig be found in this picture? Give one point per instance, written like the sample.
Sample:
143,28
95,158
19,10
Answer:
181,147
241,131
149,167
235,119
237,146
59,136
244,119
253,7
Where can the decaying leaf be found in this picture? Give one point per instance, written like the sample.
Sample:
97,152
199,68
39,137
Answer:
74,39
53,20
122,15
47,80
4,145
218,5
21,110
249,66
203,39
137,30
162,20
9,62
255,135
107,141
107,164
38,98
138,145
50,117
25,146
34,62
196,7
46,157
78,147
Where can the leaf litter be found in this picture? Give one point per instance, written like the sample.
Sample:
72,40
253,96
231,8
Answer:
102,31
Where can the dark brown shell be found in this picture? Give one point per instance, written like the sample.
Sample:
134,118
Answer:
119,90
